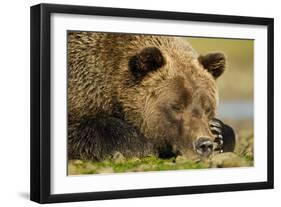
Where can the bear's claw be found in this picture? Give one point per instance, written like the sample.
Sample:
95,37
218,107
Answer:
225,138
216,127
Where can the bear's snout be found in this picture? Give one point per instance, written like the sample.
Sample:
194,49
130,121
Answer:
204,146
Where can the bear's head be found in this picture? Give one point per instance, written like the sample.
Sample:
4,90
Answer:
173,97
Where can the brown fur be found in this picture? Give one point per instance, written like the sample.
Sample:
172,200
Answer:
171,103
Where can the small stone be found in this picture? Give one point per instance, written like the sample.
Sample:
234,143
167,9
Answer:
90,167
181,159
135,159
118,157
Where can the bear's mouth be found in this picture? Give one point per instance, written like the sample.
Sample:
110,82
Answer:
167,151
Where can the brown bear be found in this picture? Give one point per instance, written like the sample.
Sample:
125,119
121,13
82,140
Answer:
140,95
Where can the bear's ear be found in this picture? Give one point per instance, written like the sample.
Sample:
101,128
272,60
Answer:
149,59
214,63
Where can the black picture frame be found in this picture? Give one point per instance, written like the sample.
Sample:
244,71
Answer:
41,96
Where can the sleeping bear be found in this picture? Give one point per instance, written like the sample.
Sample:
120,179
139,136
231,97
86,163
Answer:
142,95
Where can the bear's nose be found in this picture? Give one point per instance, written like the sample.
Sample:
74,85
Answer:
204,146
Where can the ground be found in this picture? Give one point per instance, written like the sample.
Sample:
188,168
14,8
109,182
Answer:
242,157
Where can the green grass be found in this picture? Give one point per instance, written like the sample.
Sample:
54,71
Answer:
131,165
77,167
243,156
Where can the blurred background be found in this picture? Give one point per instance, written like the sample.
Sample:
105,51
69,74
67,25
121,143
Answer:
235,86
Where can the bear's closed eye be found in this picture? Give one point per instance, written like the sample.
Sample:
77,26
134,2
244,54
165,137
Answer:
177,107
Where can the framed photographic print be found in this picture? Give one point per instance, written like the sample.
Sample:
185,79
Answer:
133,103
